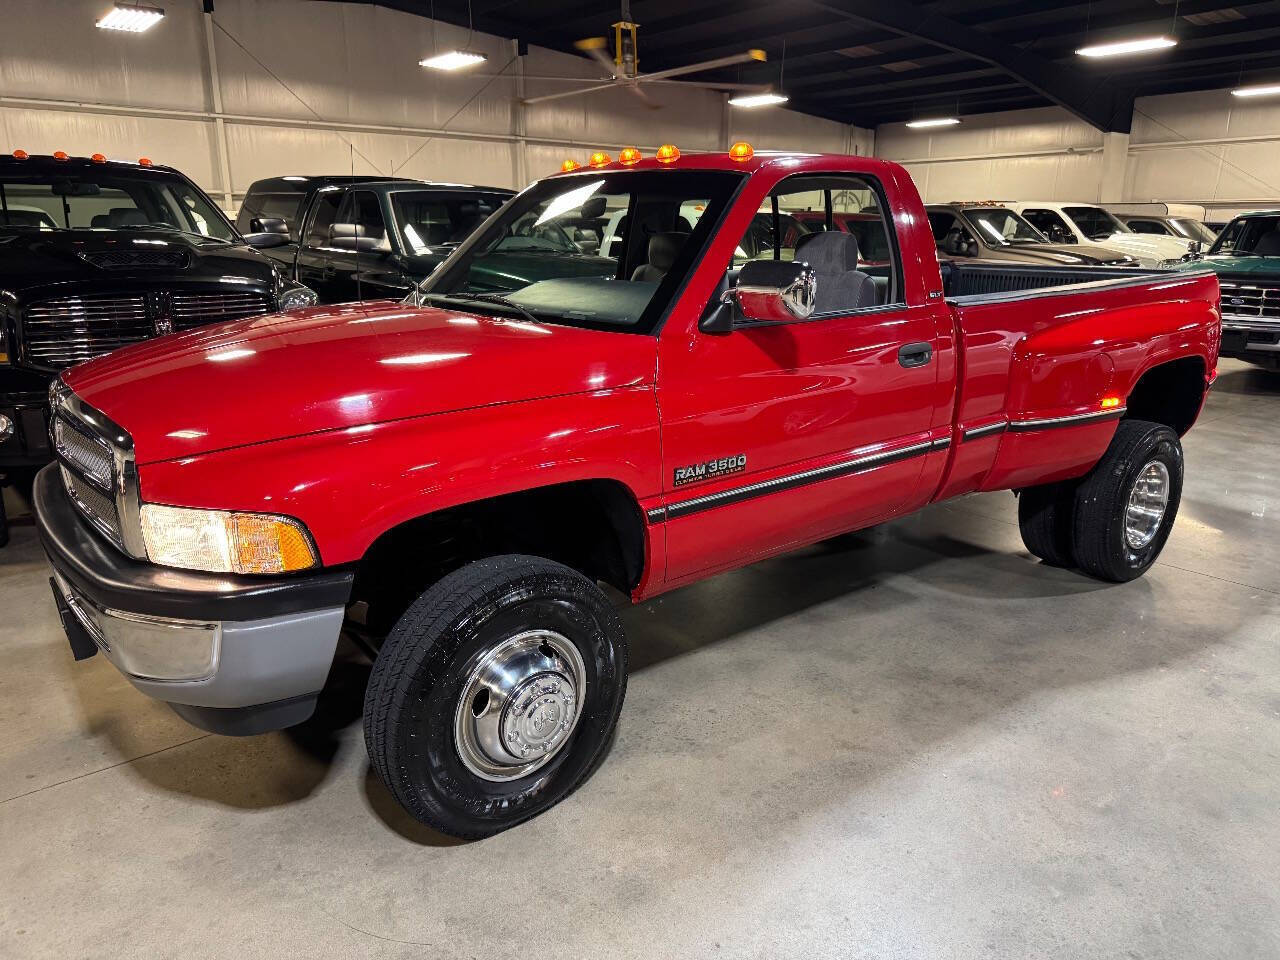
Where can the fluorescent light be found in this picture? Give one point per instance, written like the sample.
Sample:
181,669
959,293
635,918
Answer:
1142,45
758,100
453,60
1263,91
935,122
131,18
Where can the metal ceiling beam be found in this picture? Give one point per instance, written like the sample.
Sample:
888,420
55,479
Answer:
1099,101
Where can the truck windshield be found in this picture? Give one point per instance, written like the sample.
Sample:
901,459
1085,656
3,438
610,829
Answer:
1094,222
1249,237
109,200
606,250
1190,229
437,218
999,226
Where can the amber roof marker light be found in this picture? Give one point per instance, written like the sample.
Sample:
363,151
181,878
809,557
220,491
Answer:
20,155
569,166
628,156
600,159
741,151
668,153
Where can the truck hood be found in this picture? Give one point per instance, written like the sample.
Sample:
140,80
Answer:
1235,266
1145,246
31,259
1065,254
328,368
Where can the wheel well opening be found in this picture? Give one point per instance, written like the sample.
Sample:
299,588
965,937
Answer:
593,526
1170,394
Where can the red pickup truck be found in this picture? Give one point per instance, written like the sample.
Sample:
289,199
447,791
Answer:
451,478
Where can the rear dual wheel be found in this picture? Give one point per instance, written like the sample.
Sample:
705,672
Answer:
495,694
1113,522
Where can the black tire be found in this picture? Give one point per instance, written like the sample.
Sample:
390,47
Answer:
1099,543
4,521
1045,520
421,672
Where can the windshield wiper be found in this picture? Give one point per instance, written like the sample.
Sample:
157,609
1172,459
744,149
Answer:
495,298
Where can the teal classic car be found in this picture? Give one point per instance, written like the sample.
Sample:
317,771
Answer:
1246,257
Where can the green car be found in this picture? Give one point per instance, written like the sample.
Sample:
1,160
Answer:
1246,258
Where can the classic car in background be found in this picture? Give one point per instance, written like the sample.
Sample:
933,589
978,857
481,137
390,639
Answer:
360,238
96,254
992,231
1090,225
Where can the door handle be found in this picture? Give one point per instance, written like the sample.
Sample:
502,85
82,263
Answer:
915,354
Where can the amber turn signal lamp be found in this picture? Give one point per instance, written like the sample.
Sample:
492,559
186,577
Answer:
668,153
98,158
144,161
741,151
600,159
569,166
1110,403
60,155
628,156
19,154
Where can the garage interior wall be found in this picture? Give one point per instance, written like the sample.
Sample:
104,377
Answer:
1207,148
306,88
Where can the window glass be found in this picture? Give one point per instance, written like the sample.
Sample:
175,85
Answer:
1094,222
527,262
1148,226
428,219
1250,236
951,236
366,214
1000,227
1050,224
323,218
803,208
1190,229
274,206
87,200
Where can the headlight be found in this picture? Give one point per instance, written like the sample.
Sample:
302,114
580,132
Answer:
6,427
223,542
298,295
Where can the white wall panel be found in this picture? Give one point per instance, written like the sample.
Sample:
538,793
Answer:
300,81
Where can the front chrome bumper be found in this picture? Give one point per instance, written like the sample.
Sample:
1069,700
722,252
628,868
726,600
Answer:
230,654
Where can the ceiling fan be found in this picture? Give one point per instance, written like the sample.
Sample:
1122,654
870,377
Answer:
622,70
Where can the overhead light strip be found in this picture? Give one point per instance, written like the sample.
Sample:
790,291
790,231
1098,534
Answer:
934,122
758,100
131,18
1265,90
1121,47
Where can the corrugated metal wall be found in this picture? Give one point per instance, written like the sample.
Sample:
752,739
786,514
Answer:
1208,148
328,87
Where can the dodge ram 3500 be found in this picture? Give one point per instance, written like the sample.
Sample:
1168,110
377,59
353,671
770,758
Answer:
452,478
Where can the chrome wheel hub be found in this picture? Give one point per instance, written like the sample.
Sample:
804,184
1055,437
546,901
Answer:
520,705
1148,501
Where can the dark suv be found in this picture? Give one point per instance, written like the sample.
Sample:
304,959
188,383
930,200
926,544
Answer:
97,254
358,238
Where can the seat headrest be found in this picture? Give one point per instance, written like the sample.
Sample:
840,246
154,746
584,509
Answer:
339,230
125,216
664,248
829,252
1268,244
101,221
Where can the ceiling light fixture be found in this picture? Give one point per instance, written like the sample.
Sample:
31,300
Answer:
1266,90
1121,47
758,100
131,18
934,122
453,60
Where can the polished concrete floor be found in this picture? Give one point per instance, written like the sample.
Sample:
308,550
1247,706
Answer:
914,742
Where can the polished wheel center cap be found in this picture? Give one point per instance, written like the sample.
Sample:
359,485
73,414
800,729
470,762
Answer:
538,716
1148,501
520,704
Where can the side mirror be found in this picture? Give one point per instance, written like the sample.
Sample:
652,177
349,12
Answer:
268,225
768,291
263,241
1195,246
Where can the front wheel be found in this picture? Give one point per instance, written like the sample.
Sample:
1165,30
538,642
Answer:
495,694
1126,505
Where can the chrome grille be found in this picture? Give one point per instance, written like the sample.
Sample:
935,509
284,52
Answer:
67,330
99,509
193,309
89,456
1250,306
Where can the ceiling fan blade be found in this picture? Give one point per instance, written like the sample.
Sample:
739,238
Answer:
570,93
712,85
748,56
594,47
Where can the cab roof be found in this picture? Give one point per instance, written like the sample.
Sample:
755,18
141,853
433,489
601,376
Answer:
46,161
758,161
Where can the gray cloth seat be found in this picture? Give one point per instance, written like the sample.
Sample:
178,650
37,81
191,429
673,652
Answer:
833,257
663,250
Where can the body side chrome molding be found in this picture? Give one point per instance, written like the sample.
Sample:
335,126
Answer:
1071,420
975,433
790,481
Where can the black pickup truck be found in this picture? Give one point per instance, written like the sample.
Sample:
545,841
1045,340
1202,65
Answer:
360,238
97,254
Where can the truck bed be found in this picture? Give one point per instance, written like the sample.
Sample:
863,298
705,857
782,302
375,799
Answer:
976,282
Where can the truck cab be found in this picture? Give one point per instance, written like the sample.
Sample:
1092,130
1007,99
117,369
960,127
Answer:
362,238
